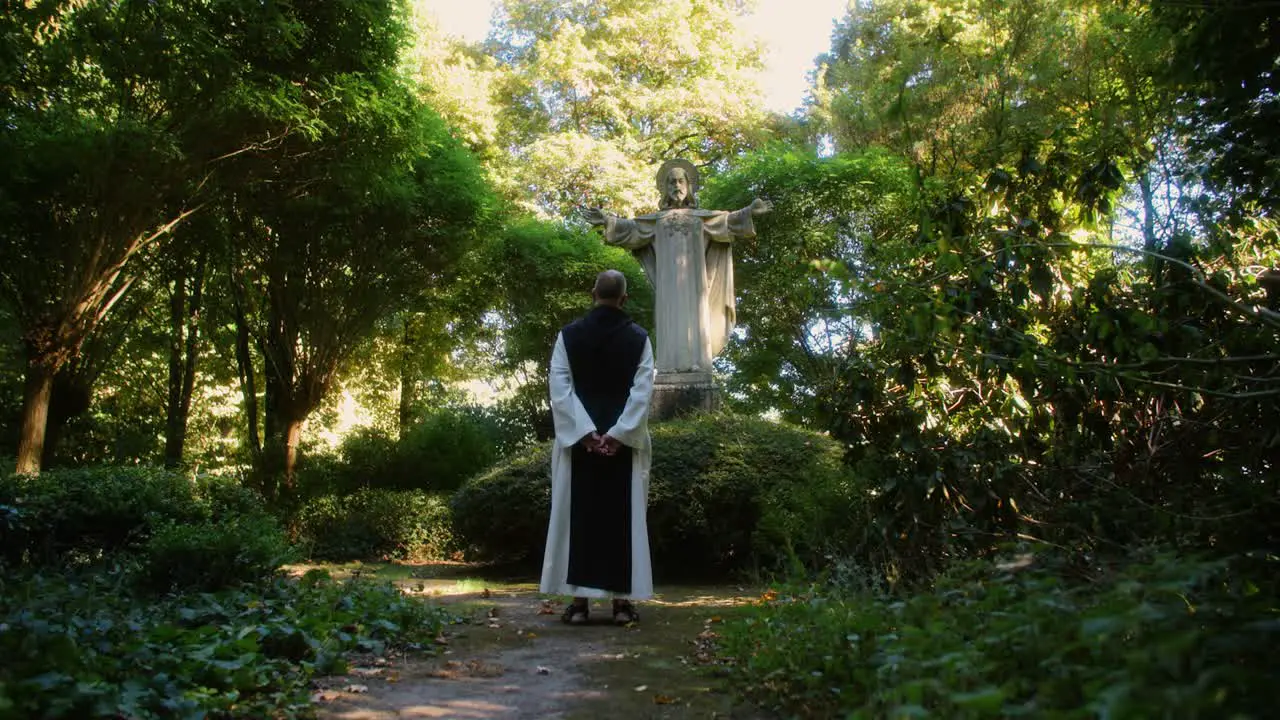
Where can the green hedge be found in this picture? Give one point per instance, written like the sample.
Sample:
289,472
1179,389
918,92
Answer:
375,524
437,454
91,512
1157,637
727,494
214,554
180,532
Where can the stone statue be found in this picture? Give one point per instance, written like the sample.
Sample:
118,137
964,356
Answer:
687,256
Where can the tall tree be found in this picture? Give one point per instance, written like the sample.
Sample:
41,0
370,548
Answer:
118,117
963,86
187,266
1225,67
458,80
595,94
796,338
1024,369
398,203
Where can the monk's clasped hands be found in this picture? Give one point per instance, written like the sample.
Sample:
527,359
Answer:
601,444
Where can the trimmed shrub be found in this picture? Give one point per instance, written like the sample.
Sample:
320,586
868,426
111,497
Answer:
372,524
727,494
438,454
90,512
502,515
214,554
455,444
205,533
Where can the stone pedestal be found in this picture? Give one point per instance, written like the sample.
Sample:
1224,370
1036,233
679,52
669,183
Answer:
677,394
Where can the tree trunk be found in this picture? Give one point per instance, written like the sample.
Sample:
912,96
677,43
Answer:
408,383
248,382
184,348
35,416
174,424
292,437
1149,240
70,397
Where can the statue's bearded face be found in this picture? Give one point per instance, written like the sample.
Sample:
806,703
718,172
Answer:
677,187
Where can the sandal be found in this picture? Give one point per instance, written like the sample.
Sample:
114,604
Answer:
576,614
624,613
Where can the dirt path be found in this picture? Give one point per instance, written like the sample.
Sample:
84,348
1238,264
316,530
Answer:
510,657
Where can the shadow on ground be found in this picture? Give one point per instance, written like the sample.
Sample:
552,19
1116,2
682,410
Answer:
509,656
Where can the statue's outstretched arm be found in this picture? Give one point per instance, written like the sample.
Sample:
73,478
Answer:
594,216
739,223
623,232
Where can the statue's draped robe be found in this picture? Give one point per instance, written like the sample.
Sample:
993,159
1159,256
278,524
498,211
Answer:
688,259
601,380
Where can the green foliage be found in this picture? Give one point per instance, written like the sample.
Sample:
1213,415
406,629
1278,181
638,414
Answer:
958,86
454,444
1157,636
375,523
121,119
393,216
502,516
794,330
437,454
541,274
1015,328
84,647
1230,103
728,494
593,95
214,554
87,513
205,533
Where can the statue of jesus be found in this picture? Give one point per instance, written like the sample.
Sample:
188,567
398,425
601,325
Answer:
687,256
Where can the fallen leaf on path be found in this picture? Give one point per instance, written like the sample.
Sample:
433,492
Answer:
353,688
661,699
641,688
546,608
476,668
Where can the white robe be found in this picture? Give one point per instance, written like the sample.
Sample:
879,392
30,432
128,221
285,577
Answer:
632,429
686,254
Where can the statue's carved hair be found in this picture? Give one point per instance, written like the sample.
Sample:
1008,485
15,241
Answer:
690,172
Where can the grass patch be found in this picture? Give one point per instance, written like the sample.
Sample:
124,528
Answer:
436,579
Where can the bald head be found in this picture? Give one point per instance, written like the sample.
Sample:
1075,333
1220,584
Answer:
610,288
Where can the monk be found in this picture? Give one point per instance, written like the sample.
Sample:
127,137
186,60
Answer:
601,381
